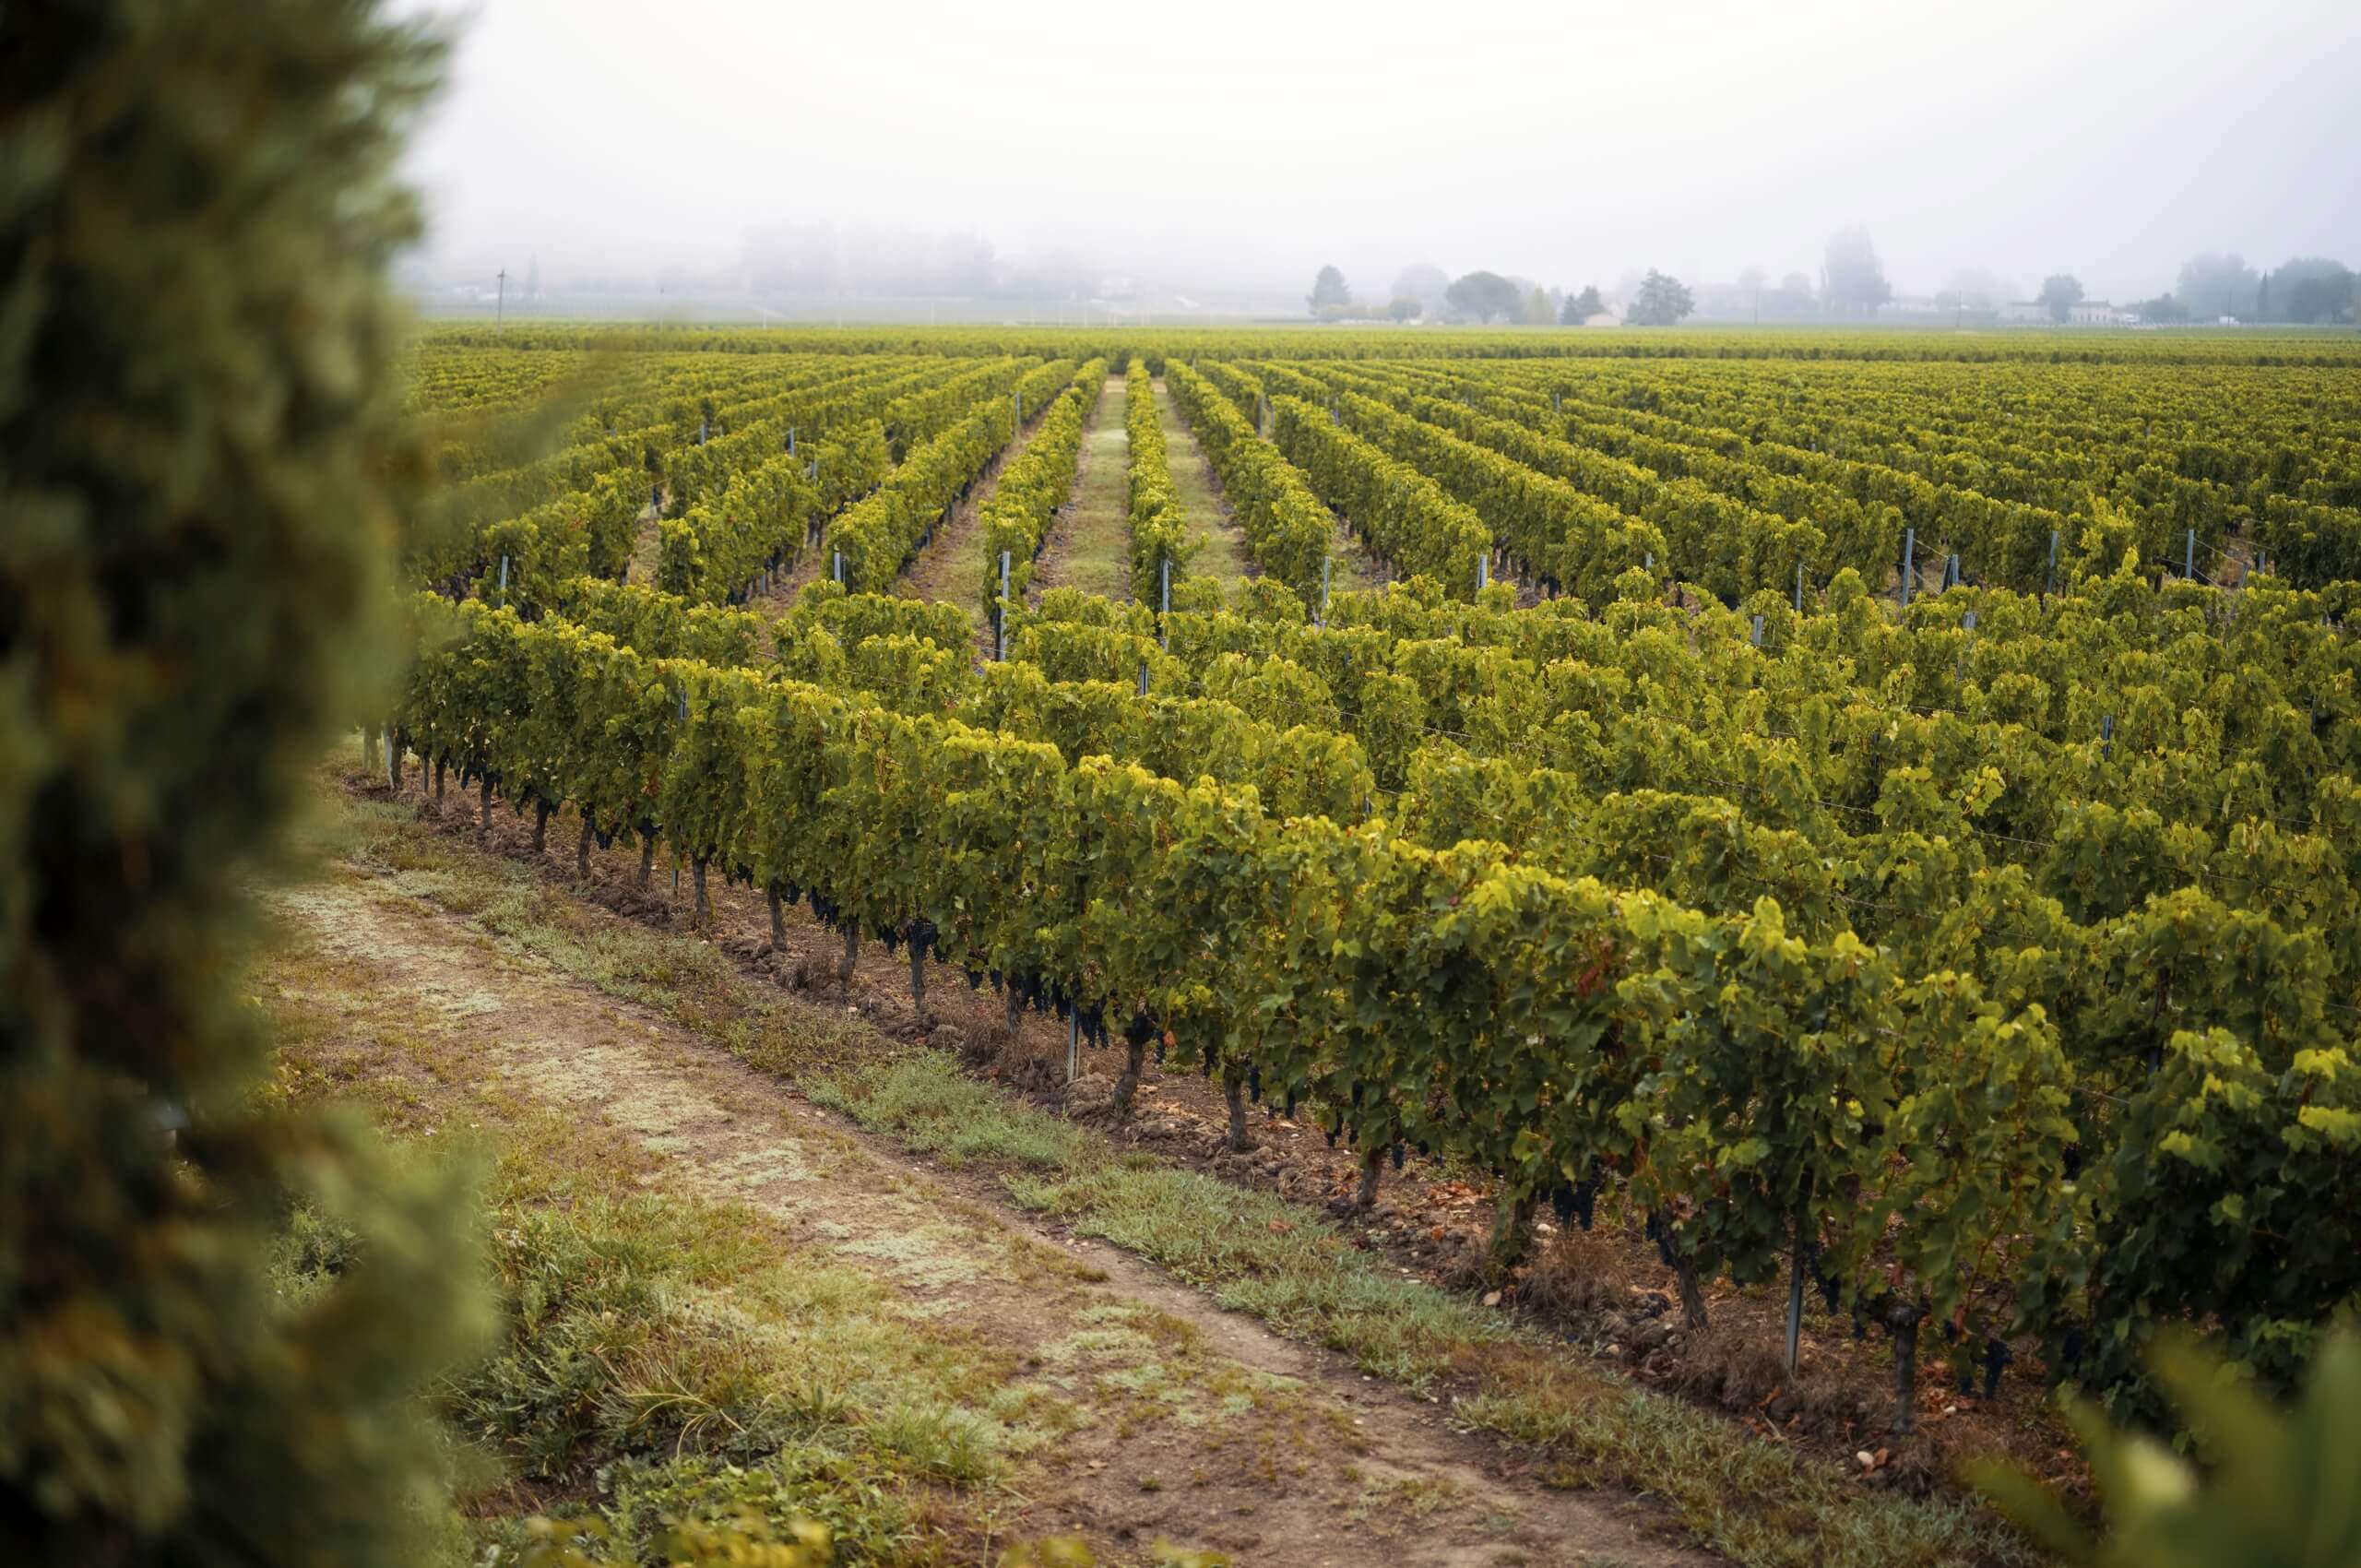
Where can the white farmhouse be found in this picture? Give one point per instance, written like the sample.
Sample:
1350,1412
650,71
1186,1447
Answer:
2081,312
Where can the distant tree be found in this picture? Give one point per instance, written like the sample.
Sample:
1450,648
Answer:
2322,297
2295,269
2062,292
2216,284
1539,312
1855,277
1404,308
2163,308
1662,301
1423,282
1972,283
1328,290
2310,289
1582,307
1484,295
1975,289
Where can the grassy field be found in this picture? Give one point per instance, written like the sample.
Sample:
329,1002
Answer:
1089,548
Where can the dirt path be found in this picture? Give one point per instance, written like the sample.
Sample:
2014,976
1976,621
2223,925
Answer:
1358,566
810,561
950,569
1089,544
1179,1421
645,549
1222,553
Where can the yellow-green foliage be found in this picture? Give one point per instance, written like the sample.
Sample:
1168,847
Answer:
1287,524
1016,519
878,535
1159,527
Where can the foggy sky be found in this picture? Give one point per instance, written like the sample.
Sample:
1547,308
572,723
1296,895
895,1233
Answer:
1223,145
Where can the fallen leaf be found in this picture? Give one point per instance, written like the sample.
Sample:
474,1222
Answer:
1280,1227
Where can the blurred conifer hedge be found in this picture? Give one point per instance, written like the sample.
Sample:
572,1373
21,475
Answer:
200,466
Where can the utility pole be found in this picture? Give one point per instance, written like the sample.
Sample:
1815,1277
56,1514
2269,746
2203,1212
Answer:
500,311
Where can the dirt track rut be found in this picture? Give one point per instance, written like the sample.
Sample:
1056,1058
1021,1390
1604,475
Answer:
1189,1423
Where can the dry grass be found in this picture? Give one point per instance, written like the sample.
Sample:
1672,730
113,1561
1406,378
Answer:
1577,1274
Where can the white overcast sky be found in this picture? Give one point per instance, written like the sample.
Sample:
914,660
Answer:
1219,143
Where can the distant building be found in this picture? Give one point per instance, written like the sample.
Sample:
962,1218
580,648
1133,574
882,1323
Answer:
1902,305
2081,312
